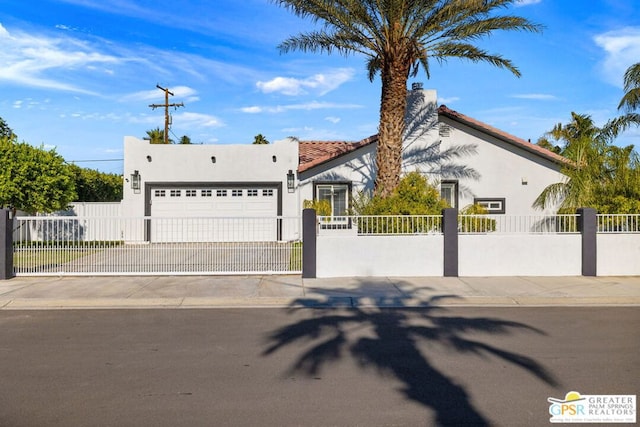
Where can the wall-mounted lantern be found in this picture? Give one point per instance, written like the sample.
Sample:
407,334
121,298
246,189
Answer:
274,159
135,181
213,159
149,159
290,181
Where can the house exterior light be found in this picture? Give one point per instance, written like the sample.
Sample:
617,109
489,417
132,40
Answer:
290,181
135,181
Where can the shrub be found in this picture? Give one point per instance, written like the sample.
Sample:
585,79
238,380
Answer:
471,220
322,207
413,196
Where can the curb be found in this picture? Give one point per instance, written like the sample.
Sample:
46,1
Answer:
330,302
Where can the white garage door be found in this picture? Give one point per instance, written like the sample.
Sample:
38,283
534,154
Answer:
214,214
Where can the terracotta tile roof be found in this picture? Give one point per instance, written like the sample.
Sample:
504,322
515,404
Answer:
514,140
314,153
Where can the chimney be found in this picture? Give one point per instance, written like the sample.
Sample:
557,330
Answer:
416,86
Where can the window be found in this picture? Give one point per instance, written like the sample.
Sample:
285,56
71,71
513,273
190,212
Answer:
159,193
492,205
221,193
449,192
252,193
175,193
206,193
236,193
267,193
190,193
337,195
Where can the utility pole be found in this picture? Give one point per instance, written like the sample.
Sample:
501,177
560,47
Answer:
166,105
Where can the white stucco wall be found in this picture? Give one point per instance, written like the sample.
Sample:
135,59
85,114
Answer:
618,254
343,256
520,255
505,170
192,163
357,167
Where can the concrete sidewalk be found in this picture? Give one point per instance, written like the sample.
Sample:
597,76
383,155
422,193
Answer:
103,292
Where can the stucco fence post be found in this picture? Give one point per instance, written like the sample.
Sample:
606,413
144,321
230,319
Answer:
6,244
450,247
588,228
309,238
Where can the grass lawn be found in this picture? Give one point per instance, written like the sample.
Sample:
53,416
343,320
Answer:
295,259
34,260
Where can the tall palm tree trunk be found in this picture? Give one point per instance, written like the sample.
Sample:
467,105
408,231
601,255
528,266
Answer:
392,110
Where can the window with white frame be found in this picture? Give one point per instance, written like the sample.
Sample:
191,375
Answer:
337,194
449,192
492,205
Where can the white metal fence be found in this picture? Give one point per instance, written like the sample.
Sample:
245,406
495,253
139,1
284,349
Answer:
518,224
383,225
609,223
147,245
467,224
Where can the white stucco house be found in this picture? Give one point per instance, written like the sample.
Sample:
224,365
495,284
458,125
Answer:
470,161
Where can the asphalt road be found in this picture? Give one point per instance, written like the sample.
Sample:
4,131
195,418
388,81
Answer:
310,367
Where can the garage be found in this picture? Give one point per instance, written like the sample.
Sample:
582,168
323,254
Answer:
208,213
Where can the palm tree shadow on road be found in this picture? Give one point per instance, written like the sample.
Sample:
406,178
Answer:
393,345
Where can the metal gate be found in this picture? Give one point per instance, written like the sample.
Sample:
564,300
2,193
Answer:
70,245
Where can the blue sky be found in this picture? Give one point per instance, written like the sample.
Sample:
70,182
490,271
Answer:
79,75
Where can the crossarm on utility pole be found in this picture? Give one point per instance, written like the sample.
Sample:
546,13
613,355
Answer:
166,106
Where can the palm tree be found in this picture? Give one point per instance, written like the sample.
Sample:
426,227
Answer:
259,139
582,143
600,175
156,136
631,99
184,139
629,102
398,37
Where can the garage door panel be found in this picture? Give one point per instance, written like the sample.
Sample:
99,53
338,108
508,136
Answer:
198,215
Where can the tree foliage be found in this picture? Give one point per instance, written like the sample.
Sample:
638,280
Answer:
34,179
398,37
156,136
259,139
414,195
5,130
94,186
601,175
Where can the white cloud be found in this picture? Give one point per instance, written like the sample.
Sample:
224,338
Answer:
196,119
449,100
535,96
622,49
252,110
29,60
319,83
309,106
526,2
180,93
332,119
